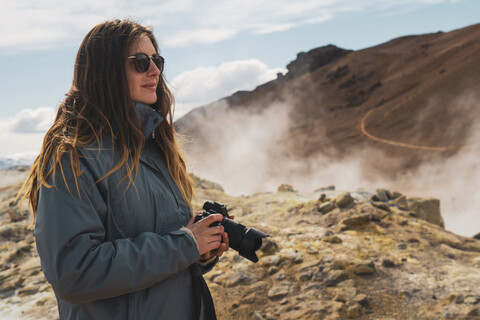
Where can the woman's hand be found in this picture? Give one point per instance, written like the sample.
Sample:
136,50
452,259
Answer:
218,252
209,238
224,246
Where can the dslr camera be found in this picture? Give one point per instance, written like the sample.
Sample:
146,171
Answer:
244,240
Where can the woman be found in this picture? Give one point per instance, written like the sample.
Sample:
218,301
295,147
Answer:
111,195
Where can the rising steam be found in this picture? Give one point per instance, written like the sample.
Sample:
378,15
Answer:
250,156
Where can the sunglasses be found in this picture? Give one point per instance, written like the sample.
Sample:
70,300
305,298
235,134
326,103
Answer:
142,61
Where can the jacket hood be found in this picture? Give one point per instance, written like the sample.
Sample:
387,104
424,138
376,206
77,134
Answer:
148,117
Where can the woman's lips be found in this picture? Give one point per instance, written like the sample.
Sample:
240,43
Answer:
150,86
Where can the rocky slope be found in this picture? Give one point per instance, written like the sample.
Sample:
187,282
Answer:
330,255
413,98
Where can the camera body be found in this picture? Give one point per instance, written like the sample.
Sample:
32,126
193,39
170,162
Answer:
241,238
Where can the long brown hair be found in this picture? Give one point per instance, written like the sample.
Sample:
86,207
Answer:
99,105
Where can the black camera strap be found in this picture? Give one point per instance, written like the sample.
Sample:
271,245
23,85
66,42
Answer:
202,295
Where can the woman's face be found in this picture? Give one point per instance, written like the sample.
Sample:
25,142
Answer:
142,85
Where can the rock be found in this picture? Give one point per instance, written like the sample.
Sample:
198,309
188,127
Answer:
285,188
396,195
326,207
344,293
456,298
333,316
312,286
387,263
12,230
293,255
381,205
448,314
361,298
318,275
334,277
269,247
15,213
45,288
27,291
332,239
405,294
42,301
304,276
280,276
363,268
357,220
474,312
472,300
427,209
354,310
400,202
234,278
17,252
272,270
279,291
258,287
344,200
257,315
249,299
382,195
337,307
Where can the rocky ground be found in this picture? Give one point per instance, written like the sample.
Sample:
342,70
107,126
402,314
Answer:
376,255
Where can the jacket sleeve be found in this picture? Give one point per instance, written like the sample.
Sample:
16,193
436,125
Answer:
207,266
78,261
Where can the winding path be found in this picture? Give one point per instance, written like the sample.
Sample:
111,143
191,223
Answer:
401,144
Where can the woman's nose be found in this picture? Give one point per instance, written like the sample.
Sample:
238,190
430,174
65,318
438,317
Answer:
153,69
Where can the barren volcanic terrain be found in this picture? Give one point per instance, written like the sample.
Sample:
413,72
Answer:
331,255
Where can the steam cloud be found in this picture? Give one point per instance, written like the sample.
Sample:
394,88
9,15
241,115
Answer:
250,157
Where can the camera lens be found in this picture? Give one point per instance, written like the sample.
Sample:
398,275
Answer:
245,240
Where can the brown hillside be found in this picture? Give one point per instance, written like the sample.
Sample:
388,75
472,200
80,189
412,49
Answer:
412,98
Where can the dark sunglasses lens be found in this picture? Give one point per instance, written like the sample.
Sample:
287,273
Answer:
142,62
159,62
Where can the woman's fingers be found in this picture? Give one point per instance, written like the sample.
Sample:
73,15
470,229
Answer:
210,219
207,238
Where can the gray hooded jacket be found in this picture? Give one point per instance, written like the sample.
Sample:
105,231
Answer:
112,252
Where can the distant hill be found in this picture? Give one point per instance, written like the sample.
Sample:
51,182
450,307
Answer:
412,99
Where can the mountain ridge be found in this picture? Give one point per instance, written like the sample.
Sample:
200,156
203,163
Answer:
395,76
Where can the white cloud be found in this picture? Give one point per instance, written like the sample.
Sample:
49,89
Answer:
207,84
34,24
21,136
32,121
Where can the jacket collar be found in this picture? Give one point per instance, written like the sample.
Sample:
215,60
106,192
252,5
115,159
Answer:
148,117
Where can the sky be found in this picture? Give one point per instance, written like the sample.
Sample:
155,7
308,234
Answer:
212,48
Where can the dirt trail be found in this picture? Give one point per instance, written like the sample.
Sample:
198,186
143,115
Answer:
405,145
